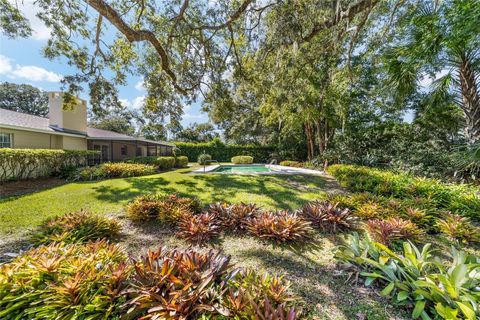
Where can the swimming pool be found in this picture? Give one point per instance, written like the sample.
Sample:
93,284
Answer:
241,169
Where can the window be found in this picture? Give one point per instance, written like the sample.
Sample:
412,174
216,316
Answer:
6,140
123,150
139,151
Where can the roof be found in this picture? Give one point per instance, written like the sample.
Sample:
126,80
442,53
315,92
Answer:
22,121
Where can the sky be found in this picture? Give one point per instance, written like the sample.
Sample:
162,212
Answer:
21,61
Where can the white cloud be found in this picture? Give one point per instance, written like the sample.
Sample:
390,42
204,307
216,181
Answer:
125,103
426,81
5,65
35,73
31,73
140,86
138,102
30,10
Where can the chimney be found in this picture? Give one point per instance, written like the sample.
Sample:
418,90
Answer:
67,113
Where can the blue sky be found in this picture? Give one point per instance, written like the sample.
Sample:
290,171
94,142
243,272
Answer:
21,61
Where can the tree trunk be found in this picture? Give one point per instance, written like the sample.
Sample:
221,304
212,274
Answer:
310,144
470,100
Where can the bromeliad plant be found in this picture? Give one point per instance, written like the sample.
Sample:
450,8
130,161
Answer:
458,228
80,226
234,217
280,226
199,228
434,289
65,281
329,217
392,230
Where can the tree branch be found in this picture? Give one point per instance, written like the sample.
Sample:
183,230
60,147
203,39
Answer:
230,20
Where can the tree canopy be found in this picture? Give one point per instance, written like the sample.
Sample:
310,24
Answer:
23,98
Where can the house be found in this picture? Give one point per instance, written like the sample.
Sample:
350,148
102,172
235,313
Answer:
66,128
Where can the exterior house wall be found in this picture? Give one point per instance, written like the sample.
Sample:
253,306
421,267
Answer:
117,150
29,140
71,117
74,143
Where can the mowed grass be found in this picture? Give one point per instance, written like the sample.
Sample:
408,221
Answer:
22,213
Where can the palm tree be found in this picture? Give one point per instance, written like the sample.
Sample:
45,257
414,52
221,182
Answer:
442,39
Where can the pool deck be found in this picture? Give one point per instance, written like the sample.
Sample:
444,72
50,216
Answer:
275,169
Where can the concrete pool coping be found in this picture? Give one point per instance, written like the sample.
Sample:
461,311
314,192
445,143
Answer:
276,169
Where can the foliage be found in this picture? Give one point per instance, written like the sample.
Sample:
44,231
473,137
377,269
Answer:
75,227
204,158
114,170
65,281
23,98
458,228
199,228
32,163
167,208
462,199
121,123
177,283
329,217
162,163
181,162
242,160
392,230
234,217
197,132
415,278
290,163
281,227
224,152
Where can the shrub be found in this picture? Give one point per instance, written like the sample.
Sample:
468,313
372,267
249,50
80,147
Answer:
204,159
281,226
224,152
329,217
417,279
32,163
463,199
113,170
161,163
65,281
289,163
80,226
458,228
181,161
242,160
167,208
199,228
393,229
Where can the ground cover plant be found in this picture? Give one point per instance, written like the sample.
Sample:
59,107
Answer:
79,226
328,217
96,281
113,170
460,199
432,288
281,227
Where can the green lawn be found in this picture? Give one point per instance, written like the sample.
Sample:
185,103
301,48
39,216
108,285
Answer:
21,213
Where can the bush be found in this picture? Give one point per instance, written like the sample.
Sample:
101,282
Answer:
181,162
281,226
329,217
242,160
289,163
167,208
224,152
65,281
461,199
393,229
162,163
80,226
113,170
433,289
204,159
18,164
199,228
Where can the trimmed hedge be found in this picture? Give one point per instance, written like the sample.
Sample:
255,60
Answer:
114,170
17,164
224,152
204,158
242,160
181,162
162,163
291,163
461,199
